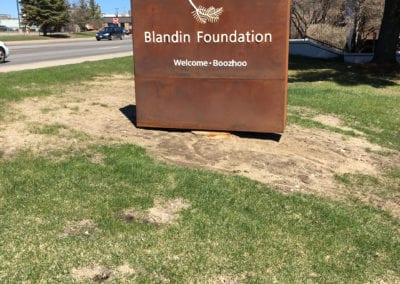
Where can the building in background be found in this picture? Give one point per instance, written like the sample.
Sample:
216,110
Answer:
122,20
5,17
8,24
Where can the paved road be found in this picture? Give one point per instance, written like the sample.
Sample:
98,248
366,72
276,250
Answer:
36,54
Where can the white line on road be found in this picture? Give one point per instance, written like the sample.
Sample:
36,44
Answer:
108,47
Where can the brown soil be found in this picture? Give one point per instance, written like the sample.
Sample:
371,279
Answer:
303,160
163,212
95,273
83,228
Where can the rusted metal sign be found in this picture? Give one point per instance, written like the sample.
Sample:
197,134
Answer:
211,64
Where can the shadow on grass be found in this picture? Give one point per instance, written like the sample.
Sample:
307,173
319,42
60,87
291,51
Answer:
57,36
314,70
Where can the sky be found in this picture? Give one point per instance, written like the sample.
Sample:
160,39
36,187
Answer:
107,6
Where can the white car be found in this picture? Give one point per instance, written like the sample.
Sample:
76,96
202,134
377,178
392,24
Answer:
4,52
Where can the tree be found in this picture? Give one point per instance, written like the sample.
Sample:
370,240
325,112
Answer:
386,47
80,14
95,11
308,12
86,12
46,14
363,20
323,20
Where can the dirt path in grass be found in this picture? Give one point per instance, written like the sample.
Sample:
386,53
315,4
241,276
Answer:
303,160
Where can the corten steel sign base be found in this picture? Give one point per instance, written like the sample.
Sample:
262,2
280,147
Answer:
211,64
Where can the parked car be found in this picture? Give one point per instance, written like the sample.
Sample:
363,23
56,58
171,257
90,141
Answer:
4,52
110,33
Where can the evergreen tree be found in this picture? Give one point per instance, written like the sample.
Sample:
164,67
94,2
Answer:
45,13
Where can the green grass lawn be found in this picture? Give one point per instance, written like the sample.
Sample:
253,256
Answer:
47,81
234,227
63,218
365,100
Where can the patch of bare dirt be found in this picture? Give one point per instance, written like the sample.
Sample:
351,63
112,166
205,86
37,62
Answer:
304,160
225,280
97,273
84,228
125,269
334,121
94,273
325,119
163,212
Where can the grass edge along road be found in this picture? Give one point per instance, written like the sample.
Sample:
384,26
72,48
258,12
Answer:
78,220
9,37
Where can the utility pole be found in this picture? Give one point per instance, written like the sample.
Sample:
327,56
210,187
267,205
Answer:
116,12
19,16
